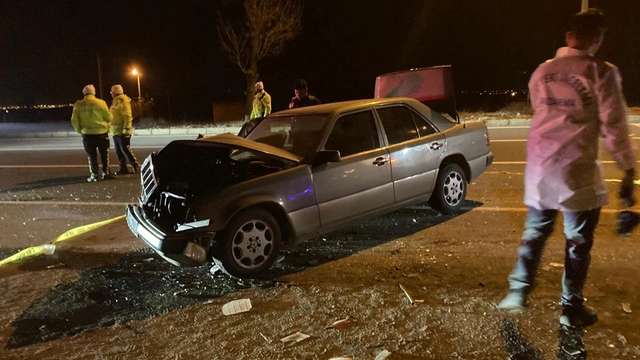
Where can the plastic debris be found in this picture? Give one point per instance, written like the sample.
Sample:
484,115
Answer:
622,339
48,249
383,355
340,324
295,337
265,338
406,293
236,306
555,264
626,307
214,269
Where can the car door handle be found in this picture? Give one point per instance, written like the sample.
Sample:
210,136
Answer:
435,146
380,161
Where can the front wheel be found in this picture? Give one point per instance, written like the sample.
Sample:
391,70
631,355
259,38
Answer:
450,190
249,244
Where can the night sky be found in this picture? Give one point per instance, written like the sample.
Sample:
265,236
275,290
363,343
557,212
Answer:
49,49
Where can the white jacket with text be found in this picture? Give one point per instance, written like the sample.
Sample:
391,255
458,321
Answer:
576,99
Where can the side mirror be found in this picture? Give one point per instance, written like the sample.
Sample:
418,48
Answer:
326,156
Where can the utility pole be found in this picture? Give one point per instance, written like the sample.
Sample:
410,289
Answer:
585,4
100,76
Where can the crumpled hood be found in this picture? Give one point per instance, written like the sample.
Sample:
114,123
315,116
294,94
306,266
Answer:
229,139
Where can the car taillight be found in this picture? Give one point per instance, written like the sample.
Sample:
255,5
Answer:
487,138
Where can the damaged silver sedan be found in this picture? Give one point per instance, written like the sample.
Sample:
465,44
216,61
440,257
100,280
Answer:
301,173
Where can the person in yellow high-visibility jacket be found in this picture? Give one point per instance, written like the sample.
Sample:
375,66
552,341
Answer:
261,102
122,129
91,119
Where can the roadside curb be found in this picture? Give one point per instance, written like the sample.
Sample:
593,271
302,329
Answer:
236,129
527,122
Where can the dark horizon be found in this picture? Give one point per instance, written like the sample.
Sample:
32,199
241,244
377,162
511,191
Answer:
49,50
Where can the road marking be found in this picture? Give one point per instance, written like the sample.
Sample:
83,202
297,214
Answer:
525,140
606,162
524,209
105,203
637,182
40,166
68,148
79,203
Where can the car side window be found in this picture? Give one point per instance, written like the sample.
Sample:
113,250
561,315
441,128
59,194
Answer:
398,124
353,133
424,128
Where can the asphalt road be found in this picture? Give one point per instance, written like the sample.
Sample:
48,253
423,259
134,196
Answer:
43,193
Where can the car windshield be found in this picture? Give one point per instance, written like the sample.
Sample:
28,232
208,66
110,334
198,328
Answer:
297,134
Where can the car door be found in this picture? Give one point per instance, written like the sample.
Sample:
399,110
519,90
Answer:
361,182
415,148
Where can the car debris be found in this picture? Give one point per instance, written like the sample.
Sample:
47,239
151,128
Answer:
266,338
236,306
382,355
340,324
411,301
295,337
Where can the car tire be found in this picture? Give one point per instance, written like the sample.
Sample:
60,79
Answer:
249,245
450,190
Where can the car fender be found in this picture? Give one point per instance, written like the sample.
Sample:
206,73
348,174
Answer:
266,202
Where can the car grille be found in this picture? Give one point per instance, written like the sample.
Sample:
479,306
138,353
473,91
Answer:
148,179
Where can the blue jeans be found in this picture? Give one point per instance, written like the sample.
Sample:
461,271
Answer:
579,228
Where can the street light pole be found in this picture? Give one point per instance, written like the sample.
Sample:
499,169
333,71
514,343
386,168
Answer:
137,74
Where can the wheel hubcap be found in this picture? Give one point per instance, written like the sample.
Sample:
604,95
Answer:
252,244
453,189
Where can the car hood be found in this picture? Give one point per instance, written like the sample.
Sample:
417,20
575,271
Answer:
231,140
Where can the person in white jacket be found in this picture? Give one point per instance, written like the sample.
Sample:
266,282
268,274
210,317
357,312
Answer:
577,99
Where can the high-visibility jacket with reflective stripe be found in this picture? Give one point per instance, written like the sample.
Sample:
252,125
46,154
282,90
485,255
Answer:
121,124
261,105
91,116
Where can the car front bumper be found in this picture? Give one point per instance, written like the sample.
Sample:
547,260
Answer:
177,249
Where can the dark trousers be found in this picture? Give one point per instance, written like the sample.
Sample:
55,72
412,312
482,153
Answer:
579,229
122,143
94,144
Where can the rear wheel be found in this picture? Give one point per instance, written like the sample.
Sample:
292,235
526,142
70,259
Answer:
450,190
249,245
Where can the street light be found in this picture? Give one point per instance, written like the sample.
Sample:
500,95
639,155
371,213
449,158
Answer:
137,74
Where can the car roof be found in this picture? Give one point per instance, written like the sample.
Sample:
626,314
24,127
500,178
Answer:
345,106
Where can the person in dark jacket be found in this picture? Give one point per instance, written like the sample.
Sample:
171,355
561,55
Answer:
302,98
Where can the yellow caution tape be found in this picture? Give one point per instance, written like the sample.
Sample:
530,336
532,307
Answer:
50,248
636,182
83,229
30,251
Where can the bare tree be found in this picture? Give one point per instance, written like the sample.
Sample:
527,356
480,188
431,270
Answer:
266,27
